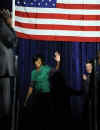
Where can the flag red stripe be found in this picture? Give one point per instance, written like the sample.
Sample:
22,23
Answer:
57,16
57,27
59,38
78,6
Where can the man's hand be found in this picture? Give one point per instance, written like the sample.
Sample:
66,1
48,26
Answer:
57,56
84,77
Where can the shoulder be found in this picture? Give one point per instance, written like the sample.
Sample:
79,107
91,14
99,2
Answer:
33,72
46,67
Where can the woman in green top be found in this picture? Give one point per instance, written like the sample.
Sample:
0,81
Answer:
40,76
41,85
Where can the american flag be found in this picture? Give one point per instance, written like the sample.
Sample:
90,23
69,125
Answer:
58,20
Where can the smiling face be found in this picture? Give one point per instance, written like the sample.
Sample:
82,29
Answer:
38,63
89,67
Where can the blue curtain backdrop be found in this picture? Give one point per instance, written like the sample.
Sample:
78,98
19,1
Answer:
73,59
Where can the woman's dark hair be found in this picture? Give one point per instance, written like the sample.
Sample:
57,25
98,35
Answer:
38,56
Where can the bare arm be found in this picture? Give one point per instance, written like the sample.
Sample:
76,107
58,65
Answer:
57,59
28,95
57,65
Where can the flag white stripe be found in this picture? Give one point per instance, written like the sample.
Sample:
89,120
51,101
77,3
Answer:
58,32
79,1
57,21
58,11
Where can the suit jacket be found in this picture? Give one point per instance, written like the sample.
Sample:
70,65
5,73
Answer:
88,87
7,43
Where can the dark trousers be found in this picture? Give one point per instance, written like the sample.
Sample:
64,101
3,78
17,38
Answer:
43,111
38,114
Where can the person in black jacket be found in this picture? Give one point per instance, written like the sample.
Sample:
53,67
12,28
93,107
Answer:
88,92
7,64
97,91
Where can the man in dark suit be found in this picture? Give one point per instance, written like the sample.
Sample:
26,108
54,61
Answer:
7,64
97,90
88,90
